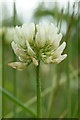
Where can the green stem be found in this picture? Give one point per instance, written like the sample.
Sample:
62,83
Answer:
38,83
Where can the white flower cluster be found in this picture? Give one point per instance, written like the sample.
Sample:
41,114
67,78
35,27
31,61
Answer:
33,43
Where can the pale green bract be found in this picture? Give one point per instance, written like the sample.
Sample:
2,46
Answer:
33,43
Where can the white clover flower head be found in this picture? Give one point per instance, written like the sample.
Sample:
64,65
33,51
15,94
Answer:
33,43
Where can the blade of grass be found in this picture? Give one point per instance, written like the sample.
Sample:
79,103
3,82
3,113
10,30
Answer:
68,81
67,39
14,57
75,111
61,18
69,27
75,72
54,93
68,64
63,114
17,101
33,100
3,71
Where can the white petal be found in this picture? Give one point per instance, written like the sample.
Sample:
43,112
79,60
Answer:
61,47
59,59
59,50
40,35
35,62
29,31
56,40
18,65
54,28
40,40
18,51
29,49
48,60
19,37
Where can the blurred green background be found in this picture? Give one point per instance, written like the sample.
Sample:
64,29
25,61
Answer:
59,83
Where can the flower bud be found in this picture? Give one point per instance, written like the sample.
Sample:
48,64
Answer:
18,65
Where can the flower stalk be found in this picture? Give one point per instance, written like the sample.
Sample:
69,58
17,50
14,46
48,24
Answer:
38,86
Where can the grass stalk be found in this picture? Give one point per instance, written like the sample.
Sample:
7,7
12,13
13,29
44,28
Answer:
38,85
3,72
63,114
67,39
54,93
68,78
68,84
14,57
68,69
61,17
